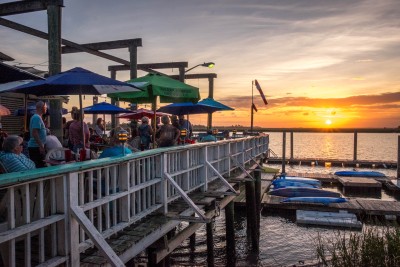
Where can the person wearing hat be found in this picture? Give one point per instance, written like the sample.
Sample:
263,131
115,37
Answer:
145,133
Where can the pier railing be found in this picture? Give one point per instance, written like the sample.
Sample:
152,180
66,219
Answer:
49,216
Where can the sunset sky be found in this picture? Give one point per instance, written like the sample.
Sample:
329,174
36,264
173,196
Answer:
320,63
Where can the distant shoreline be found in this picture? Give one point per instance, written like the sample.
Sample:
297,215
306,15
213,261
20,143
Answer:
322,130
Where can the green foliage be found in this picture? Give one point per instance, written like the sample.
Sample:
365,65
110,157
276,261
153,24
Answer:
373,247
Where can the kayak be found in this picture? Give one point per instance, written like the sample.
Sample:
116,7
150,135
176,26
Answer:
280,183
300,179
360,174
302,192
319,200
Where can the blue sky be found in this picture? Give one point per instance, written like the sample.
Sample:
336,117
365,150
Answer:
315,60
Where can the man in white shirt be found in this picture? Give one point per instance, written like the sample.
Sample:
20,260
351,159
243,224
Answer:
52,141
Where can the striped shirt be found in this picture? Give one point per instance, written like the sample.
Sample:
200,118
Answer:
16,163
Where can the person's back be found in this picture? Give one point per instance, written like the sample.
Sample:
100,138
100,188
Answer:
208,137
145,133
168,133
52,142
118,148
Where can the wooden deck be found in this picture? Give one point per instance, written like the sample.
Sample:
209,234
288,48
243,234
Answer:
360,206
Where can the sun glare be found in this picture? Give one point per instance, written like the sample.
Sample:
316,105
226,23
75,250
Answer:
328,122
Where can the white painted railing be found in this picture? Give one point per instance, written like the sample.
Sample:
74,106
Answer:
49,216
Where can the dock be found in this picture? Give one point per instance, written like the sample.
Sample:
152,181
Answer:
336,162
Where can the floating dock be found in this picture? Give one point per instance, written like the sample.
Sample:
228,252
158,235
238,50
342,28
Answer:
340,219
337,163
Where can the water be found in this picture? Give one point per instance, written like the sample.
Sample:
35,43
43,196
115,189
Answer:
282,241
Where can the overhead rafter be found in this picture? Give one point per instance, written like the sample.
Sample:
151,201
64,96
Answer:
104,45
164,65
19,7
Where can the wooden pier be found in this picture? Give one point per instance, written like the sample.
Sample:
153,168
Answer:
335,163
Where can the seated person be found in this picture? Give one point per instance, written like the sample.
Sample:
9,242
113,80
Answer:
209,137
117,149
12,158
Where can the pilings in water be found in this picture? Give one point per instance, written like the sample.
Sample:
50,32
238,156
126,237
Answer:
210,243
398,157
252,229
230,235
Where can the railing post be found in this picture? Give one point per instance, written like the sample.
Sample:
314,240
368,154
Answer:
355,146
291,145
283,152
70,193
124,178
204,169
164,182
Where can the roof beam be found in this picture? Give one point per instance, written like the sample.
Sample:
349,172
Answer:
104,45
196,76
165,65
43,35
20,7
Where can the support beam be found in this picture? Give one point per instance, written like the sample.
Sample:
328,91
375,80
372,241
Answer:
230,235
43,35
19,7
104,45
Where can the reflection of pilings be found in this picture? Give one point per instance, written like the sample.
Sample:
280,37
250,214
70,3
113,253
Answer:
230,235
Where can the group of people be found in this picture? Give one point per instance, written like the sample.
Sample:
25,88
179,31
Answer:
40,141
167,132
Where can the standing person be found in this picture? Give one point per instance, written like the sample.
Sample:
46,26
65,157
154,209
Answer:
12,158
75,133
145,133
74,113
37,140
99,127
168,134
185,124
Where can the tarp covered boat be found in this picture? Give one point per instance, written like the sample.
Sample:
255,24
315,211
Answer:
280,183
299,179
360,174
319,200
302,192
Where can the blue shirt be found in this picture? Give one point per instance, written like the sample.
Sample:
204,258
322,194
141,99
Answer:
37,123
16,163
114,151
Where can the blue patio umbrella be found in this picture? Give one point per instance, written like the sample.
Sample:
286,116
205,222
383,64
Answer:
213,103
76,81
105,108
187,108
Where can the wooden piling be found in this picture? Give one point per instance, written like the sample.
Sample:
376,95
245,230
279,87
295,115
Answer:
192,242
257,183
291,145
251,215
355,146
210,243
283,152
230,235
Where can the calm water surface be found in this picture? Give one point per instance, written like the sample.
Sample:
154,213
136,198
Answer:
282,242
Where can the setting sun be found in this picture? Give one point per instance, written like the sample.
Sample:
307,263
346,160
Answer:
328,122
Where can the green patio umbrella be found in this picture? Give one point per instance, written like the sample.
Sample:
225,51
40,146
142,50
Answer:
168,89
156,85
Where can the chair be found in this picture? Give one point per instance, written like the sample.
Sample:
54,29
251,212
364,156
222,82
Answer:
57,154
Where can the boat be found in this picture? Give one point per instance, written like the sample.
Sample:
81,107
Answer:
302,192
340,219
269,170
300,179
280,183
360,174
316,200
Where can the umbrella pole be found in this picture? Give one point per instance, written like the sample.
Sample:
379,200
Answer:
26,112
154,106
82,130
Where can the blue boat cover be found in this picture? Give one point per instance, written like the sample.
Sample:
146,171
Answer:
360,174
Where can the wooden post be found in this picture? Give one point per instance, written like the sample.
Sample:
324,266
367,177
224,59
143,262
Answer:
210,95
210,242
355,146
230,235
114,120
284,152
251,215
192,242
54,49
133,61
398,157
291,145
257,176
